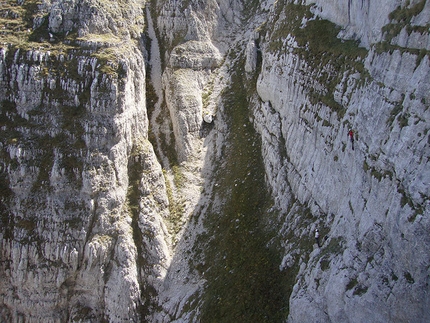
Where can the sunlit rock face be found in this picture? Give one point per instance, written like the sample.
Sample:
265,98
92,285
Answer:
371,196
80,181
133,135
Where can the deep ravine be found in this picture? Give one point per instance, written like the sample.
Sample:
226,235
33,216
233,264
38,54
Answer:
120,202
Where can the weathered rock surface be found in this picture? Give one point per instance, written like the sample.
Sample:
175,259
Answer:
81,183
120,203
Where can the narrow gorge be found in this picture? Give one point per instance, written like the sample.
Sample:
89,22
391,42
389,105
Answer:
169,161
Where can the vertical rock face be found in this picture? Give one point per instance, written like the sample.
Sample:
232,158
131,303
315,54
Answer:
219,224
80,181
370,198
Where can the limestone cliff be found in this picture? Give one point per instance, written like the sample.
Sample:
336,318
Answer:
80,181
169,161
371,198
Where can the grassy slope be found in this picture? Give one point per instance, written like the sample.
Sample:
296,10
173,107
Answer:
244,283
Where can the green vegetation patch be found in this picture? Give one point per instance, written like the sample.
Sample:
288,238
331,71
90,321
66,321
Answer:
176,205
21,32
400,19
320,39
406,199
351,284
327,56
244,283
376,173
317,38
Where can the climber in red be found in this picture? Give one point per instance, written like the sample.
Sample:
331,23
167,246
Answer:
351,136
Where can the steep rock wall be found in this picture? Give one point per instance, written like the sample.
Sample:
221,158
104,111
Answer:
371,202
83,196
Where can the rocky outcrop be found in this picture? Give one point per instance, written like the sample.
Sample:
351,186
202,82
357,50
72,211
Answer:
370,198
119,202
83,190
190,69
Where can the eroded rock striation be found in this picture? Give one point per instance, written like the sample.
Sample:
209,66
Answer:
121,202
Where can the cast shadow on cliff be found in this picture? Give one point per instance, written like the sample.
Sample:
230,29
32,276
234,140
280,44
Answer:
206,128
